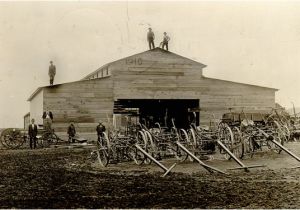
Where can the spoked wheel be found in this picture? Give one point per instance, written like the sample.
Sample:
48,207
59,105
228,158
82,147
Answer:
238,148
47,139
137,156
274,147
104,147
226,137
12,138
151,147
248,147
103,157
183,138
282,132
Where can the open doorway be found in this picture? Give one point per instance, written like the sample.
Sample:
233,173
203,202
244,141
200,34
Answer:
150,111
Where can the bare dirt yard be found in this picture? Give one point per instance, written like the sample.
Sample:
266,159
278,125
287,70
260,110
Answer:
66,178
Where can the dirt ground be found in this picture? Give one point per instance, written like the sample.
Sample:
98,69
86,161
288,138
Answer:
67,178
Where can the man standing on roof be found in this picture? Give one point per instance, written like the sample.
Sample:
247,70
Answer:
52,72
165,41
150,38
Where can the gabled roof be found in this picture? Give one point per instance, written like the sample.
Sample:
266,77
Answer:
157,49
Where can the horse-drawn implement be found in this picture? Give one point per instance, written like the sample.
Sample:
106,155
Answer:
14,138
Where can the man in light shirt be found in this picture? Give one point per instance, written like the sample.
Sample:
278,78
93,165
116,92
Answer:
165,41
32,132
48,118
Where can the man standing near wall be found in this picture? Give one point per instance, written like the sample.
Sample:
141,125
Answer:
52,72
48,118
150,38
32,132
71,132
100,132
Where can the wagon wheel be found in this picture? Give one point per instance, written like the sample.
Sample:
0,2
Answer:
273,146
149,142
151,147
248,146
12,138
3,139
238,148
226,137
183,138
103,151
281,132
138,157
287,132
103,157
47,139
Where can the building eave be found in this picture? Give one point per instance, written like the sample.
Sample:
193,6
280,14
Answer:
240,83
35,93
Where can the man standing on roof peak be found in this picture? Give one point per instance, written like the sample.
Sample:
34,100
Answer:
150,38
52,72
165,41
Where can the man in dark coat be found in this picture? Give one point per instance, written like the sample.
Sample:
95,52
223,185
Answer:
52,72
32,132
71,132
48,118
100,132
150,38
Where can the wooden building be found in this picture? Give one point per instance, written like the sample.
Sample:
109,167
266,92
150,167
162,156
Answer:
156,85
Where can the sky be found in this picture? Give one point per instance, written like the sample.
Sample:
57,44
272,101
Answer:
254,42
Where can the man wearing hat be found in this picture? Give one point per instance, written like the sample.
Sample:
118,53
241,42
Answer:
165,41
100,132
71,132
52,72
32,132
150,38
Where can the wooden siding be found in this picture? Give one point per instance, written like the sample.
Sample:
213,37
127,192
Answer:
162,75
154,74
83,102
36,107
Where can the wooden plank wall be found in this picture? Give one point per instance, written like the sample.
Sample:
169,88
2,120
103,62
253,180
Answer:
221,96
83,102
156,74
162,75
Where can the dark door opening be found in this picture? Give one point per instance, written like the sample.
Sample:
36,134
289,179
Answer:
150,111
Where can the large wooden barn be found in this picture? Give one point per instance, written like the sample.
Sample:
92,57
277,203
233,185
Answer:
155,85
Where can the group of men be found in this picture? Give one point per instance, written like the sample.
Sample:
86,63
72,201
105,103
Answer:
48,118
150,37
163,44
100,129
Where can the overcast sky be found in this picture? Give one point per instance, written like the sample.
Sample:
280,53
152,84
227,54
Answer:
250,42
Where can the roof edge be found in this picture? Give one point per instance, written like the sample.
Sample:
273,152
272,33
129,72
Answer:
275,89
157,48
50,86
34,93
